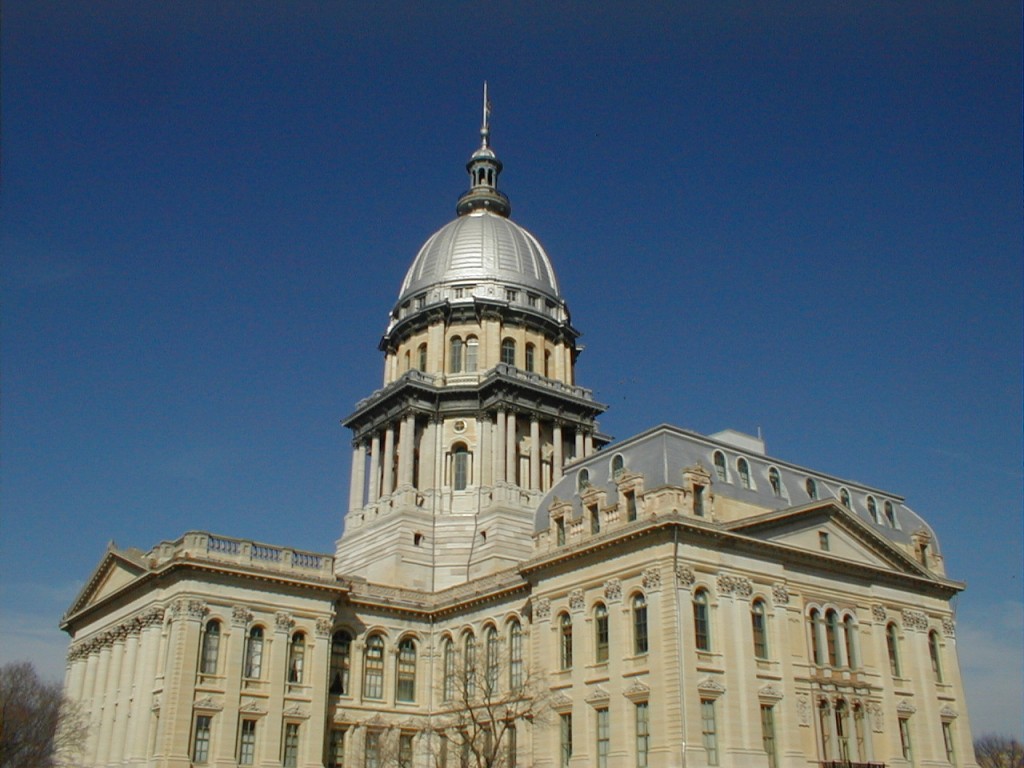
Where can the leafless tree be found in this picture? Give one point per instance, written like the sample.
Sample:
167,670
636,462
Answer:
39,728
993,751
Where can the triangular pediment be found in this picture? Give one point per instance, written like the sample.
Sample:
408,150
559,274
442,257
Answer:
828,529
115,571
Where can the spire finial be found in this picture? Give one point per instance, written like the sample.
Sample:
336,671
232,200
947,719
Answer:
485,128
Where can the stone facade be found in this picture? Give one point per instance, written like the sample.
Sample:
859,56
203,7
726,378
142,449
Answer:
512,590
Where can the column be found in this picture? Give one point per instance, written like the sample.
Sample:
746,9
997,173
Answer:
113,679
122,721
510,448
534,454
149,644
476,470
388,484
588,443
427,456
374,469
88,704
405,434
500,443
358,476
485,449
579,443
556,458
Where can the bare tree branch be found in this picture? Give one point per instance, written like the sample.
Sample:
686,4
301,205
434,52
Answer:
994,751
39,728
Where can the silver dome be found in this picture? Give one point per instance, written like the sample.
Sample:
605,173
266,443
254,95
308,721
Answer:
481,248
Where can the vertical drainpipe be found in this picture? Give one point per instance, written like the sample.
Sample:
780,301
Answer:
679,646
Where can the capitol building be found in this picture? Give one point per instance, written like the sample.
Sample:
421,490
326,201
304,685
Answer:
513,589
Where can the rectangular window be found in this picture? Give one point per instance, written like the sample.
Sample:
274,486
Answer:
290,747
405,750
371,750
247,743
201,739
595,518
643,733
560,531
630,506
565,739
709,731
603,736
905,745
823,541
513,745
336,749
947,740
698,500
768,733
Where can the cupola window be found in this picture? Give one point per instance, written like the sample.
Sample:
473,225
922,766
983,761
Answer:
530,355
472,347
460,467
508,352
455,355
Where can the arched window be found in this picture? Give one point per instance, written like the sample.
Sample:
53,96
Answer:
296,657
775,480
640,634
405,671
492,660
933,655
812,488
515,655
406,361
254,653
850,635
815,621
844,497
744,471
759,624
460,467
547,363
472,347
719,461
890,516
211,648
530,356
618,465
373,668
455,355
701,621
469,663
892,647
421,357
508,351
449,669
600,633
831,637
565,641
873,509
583,480
341,660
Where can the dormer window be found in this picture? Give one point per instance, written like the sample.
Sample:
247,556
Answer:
844,497
531,299
775,480
873,509
890,515
719,462
511,295
812,488
421,301
560,531
744,471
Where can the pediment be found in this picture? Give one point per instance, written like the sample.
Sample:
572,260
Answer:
115,571
828,529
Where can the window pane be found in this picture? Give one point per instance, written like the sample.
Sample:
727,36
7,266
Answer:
701,621
373,668
336,749
247,743
709,731
640,625
341,648
565,635
603,735
565,738
201,740
254,653
290,756
405,677
601,630
515,667
296,657
643,734
211,649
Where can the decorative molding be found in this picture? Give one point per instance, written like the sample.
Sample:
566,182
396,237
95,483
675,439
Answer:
685,576
637,691
710,686
253,708
597,696
207,704
541,608
770,691
905,707
803,709
652,579
877,720
613,590
947,712
780,594
576,600
295,711
130,626
948,626
191,609
561,703
915,620
324,627
740,586
240,616
283,621
878,613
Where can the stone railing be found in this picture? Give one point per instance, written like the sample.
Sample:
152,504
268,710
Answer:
200,545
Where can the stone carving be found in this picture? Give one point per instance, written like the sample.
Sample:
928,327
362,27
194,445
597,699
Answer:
878,613
240,615
193,609
283,621
207,703
915,620
253,707
803,709
560,702
770,692
637,691
296,711
948,626
324,626
877,721
576,601
685,576
947,712
613,590
780,594
738,585
130,626
542,608
597,696
710,685
652,579
905,707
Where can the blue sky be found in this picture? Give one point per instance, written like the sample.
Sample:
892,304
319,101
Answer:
805,219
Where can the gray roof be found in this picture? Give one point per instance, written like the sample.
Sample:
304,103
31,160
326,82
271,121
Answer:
481,247
662,453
